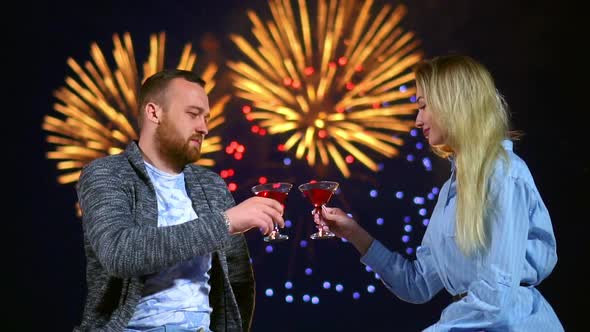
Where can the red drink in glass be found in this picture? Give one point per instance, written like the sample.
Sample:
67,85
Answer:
317,196
276,195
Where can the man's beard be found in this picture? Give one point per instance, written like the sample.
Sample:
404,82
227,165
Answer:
175,148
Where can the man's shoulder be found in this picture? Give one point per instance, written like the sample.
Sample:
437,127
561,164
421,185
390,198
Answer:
109,161
108,164
201,171
205,176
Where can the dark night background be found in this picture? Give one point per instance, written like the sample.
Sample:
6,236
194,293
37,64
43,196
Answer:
529,46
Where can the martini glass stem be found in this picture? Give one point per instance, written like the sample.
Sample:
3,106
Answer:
319,220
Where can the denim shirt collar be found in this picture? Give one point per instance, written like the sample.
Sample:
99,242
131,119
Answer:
507,144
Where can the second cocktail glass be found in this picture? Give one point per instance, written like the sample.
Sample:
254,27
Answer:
319,193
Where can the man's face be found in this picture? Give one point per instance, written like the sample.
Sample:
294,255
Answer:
183,124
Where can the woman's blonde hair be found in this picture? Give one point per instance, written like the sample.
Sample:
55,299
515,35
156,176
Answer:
462,96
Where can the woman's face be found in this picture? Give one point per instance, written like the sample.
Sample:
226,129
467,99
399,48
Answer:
425,120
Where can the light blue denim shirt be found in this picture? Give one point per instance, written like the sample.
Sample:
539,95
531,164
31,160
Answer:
522,251
179,296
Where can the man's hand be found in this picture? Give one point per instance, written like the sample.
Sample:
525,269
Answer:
259,212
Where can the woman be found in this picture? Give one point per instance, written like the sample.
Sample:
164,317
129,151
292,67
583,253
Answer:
490,240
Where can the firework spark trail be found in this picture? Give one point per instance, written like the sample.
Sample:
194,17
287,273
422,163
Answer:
337,85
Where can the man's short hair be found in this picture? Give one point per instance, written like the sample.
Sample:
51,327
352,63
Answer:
154,87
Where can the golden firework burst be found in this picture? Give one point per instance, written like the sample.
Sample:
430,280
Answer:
97,108
338,84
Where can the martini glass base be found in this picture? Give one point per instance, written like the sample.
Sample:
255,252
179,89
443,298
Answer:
322,235
276,237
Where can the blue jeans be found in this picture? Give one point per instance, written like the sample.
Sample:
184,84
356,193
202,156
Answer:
166,328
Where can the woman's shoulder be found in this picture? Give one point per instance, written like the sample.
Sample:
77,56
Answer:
510,164
511,170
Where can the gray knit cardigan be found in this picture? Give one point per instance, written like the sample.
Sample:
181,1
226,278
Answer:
123,243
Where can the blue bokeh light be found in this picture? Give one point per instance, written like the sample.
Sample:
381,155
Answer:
427,163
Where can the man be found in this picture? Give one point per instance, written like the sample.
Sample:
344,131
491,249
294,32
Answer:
163,239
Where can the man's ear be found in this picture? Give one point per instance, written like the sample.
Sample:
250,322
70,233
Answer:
152,112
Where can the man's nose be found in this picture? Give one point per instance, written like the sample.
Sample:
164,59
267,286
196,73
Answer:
201,127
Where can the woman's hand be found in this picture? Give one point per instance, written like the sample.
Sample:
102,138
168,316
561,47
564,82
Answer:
345,227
